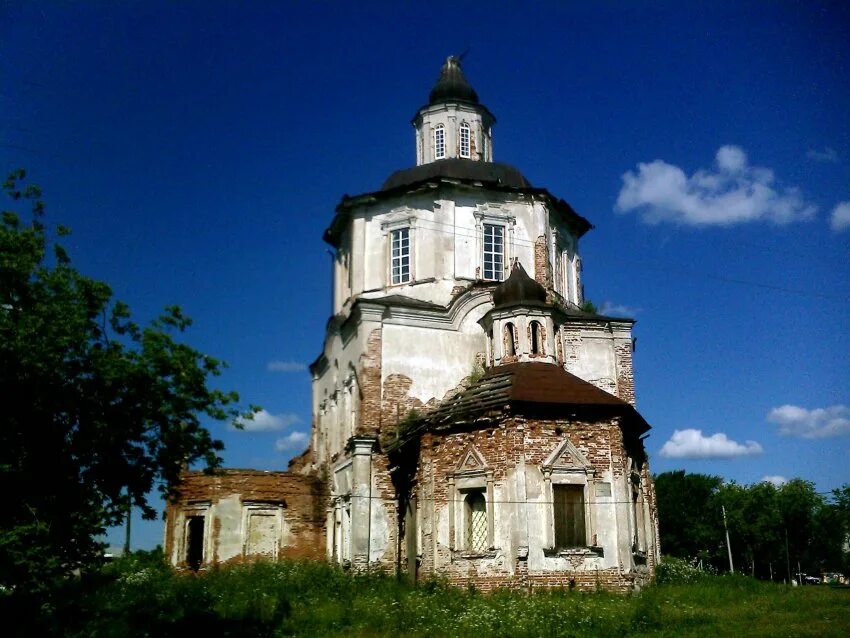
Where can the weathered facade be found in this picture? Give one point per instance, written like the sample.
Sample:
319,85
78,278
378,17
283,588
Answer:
469,419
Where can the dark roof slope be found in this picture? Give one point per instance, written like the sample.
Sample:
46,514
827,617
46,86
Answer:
452,85
490,173
534,386
518,290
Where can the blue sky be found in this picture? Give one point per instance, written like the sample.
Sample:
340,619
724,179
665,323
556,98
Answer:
198,150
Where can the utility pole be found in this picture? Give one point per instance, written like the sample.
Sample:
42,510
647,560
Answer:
129,516
787,557
728,546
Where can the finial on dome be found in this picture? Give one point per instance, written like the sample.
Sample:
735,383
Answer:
452,85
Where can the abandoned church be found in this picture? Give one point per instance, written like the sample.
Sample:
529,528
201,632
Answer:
470,420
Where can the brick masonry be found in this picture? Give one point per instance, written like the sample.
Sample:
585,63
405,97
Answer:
302,498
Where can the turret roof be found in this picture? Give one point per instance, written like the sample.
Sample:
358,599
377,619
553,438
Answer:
452,85
518,290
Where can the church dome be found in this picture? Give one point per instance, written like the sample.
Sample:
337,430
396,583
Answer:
489,173
452,85
519,290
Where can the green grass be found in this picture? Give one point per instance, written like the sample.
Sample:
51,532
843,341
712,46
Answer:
141,597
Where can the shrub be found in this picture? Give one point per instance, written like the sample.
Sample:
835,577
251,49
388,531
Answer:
680,571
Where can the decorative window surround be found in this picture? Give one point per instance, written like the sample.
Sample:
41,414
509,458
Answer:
255,511
472,474
400,256
487,215
391,228
196,510
566,465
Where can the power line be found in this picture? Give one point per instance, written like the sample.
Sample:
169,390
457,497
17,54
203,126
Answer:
469,232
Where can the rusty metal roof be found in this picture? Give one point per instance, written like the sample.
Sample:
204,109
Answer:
530,387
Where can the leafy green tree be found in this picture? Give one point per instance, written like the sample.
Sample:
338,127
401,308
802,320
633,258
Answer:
690,522
97,410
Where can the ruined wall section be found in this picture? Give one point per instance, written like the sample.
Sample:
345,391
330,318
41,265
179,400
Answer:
600,352
512,454
227,499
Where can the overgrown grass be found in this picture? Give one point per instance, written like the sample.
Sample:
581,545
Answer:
140,596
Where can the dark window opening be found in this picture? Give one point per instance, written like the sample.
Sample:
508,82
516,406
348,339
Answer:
195,542
510,344
536,341
569,516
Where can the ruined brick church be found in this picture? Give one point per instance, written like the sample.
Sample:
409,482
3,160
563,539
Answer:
470,420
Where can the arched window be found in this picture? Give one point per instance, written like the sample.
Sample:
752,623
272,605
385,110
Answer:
464,140
536,338
439,142
510,341
476,521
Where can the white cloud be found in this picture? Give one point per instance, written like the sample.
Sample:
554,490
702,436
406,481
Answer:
617,310
264,421
733,192
285,366
775,479
840,218
292,441
826,155
811,424
692,444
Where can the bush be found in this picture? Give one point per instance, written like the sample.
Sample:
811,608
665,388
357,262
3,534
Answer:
680,571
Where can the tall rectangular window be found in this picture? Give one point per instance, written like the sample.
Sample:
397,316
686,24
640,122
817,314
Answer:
475,515
400,256
569,516
439,142
464,140
494,252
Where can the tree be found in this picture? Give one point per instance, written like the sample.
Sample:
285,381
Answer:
690,522
97,410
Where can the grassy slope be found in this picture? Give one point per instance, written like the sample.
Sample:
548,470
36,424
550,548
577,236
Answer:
311,599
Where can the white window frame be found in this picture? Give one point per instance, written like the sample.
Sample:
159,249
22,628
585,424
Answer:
400,220
487,215
465,140
439,142
400,257
496,274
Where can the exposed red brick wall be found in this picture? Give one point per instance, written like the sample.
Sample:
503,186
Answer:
625,373
369,374
502,445
542,267
607,579
304,500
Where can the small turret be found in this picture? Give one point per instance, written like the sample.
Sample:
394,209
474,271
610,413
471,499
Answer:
454,124
521,325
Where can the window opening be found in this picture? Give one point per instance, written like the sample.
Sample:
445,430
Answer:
439,142
195,542
569,516
464,139
536,346
494,252
400,257
476,521
510,344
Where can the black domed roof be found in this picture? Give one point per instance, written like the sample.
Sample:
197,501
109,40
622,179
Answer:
452,85
519,289
488,173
